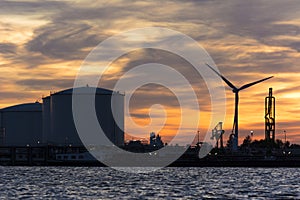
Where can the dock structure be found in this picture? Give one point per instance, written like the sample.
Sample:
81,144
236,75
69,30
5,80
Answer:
74,156
35,156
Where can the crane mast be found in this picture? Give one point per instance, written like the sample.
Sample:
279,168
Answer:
270,118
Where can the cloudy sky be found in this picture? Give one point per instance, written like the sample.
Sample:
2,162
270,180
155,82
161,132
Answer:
43,44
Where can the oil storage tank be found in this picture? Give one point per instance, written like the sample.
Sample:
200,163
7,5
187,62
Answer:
21,125
59,127
46,119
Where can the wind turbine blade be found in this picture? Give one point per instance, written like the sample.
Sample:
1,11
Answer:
254,83
224,79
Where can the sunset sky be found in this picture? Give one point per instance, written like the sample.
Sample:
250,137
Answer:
43,43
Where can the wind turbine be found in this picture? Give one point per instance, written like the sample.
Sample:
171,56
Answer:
236,91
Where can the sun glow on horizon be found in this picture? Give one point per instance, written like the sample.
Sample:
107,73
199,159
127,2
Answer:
43,44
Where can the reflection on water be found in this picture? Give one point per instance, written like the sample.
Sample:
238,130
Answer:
170,183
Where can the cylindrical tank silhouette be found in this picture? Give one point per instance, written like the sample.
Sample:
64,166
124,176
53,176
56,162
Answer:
21,125
62,128
46,119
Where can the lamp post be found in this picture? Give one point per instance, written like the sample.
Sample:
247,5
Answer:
284,138
251,134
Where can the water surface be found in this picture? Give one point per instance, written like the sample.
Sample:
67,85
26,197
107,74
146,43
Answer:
167,183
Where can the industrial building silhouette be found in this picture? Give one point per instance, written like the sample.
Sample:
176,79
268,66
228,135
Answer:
51,122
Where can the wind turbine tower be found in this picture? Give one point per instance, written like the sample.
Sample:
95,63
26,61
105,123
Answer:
235,90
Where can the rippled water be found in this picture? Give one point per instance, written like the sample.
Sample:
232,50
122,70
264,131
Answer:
167,183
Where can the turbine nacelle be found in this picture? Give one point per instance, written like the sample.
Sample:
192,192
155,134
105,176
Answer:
235,90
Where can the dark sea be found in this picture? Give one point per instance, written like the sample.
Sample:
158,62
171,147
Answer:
165,183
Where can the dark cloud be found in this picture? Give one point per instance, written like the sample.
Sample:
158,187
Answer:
29,7
41,84
98,12
280,92
140,116
287,90
70,32
140,57
295,45
63,41
8,48
257,19
281,125
152,93
15,95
